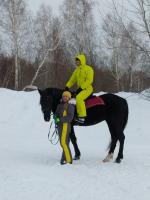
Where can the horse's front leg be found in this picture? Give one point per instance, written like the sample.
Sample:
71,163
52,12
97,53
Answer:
75,145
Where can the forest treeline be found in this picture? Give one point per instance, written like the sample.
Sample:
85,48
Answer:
40,49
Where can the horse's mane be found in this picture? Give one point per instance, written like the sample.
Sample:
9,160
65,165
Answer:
55,92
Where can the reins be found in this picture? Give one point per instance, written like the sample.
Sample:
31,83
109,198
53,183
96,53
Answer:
54,137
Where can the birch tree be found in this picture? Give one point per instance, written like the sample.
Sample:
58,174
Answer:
12,18
79,30
75,33
112,43
137,13
46,41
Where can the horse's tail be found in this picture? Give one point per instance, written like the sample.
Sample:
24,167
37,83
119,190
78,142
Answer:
126,113
109,145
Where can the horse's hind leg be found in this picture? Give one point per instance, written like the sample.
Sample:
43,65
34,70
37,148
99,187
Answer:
120,128
116,132
75,145
112,145
120,154
109,157
119,135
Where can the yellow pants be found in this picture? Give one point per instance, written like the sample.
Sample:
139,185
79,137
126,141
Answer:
64,131
80,98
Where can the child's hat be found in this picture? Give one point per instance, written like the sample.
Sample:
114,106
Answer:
67,93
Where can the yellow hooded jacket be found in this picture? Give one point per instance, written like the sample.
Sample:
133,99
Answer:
82,75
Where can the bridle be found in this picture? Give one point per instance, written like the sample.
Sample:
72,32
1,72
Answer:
53,136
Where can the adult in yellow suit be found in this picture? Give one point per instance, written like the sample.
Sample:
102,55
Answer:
83,77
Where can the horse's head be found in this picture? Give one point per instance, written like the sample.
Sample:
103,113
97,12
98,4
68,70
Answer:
46,102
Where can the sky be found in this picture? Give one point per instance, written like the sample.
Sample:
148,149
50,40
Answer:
102,7
34,4
29,163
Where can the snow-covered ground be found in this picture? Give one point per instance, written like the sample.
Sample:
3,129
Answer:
29,163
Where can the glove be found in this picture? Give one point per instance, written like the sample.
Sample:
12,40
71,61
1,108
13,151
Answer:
78,91
56,119
66,89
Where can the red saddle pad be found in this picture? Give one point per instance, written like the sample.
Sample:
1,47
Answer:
94,101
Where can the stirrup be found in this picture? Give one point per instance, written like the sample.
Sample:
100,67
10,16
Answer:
80,120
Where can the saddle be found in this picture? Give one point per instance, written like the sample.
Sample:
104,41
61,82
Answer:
93,101
90,102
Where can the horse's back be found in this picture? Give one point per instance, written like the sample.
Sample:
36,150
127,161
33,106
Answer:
111,99
114,102
117,109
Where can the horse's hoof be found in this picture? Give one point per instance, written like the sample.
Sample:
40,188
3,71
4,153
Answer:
108,158
118,160
76,158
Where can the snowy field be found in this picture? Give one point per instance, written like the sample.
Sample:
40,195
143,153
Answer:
29,163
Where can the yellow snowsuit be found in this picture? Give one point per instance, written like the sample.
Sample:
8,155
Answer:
83,77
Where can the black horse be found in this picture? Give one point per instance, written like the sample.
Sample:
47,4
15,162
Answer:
114,112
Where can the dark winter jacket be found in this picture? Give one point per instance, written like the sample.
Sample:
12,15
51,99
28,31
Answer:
70,112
